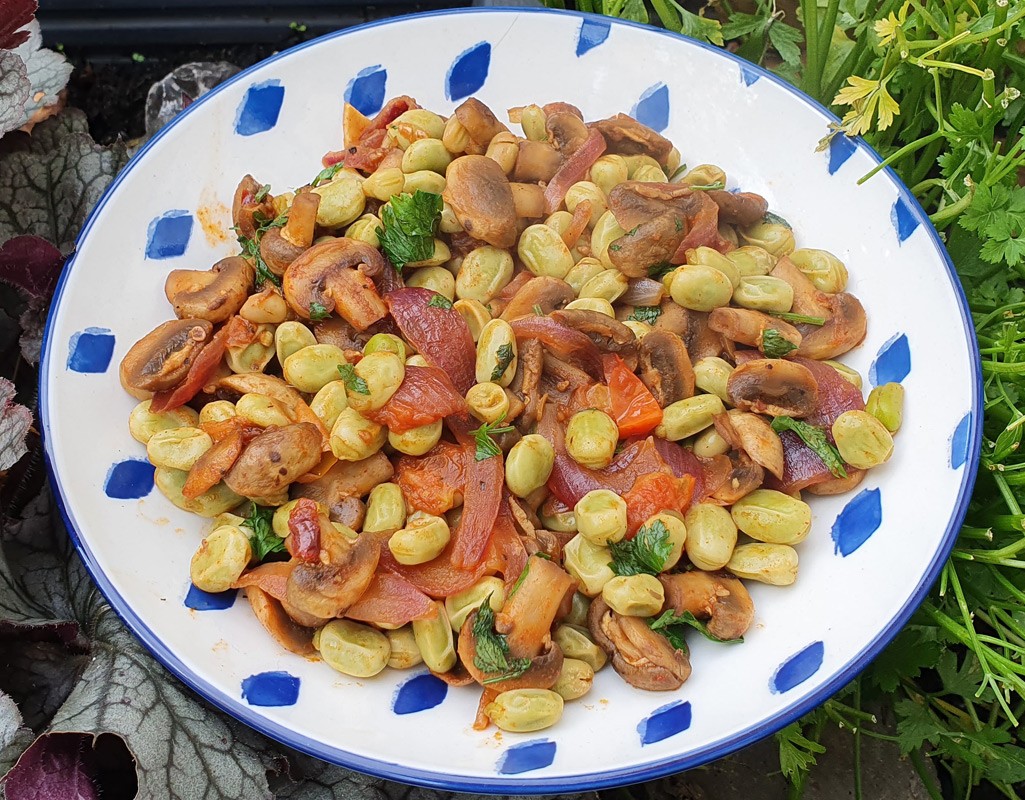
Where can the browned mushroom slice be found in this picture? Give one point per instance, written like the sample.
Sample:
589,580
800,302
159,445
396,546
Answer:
544,292
746,326
752,434
665,367
714,596
480,122
527,615
535,161
609,335
831,485
744,477
674,318
280,246
529,364
244,207
336,276
844,330
478,191
564,377
808,300
739,208
344,482
327,590
566,131
161,359
626,135
542,673
293,637
214,294
528,200
643,657
274,459
773,386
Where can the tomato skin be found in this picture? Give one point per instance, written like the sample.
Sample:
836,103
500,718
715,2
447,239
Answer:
634,408
654,493
391,600
303,540
431,482
439,334
199,373
425,396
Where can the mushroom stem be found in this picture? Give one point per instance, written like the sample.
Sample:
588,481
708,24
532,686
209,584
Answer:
530,610
302,219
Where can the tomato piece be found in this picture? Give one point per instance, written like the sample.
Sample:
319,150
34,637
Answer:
391,600
240,332
439,334
211,467
425,396
303,541
431,482
199,373
482,497
654,493
634,408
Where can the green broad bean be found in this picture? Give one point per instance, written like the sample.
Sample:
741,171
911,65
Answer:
775,237
711,536
886,404
291,337
416,441
404,652
529,464
575,679
608,285
212,502
588,563
609,171
775,564
385,343
217,411
485,271
711,374
863,441
261,410
429,154
583,271
383,184
435,639
708,257
422,540
606,230
699,287
601,517
772,517
415,124
690,416
591,438
575,642
592,304
710,443
459,606
341,201
382,374
525,710
312,368
143,423
354,437
764,293
386,508
474,314
353,648
329,402
822,268
495,348
852,376
178,448
221,559
586,190
488,402
634,595
751,260
437,279
543,252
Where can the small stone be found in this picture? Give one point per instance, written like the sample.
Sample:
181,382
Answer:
178,89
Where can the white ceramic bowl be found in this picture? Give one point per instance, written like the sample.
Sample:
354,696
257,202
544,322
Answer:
871,556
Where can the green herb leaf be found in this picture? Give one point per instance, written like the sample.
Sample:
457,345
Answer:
410,221
486,447
647,552
251,250
615,248
505,357
520,579
703,29
796,753
678,173
659,271
670,618
262,193
318,312
672,630
709,187
440,301
798,319
775,345
538,311
353,382
646,314
492,654
327,173
776,219
263,540
816,440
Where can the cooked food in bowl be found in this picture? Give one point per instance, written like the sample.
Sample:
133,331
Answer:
509,406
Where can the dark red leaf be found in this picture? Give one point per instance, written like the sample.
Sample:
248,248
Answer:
15,15
71,766
28,262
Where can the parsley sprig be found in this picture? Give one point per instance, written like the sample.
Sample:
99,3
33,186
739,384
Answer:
318,312
263,540
798,319
775,344
486,446
646,314
492,654
816,440
353,382
410,222
647,552
504,356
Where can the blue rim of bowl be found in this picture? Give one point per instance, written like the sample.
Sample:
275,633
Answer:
573,783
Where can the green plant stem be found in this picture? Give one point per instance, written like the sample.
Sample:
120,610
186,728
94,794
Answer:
923,775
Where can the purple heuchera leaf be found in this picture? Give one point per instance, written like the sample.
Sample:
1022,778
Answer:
58,766
32,264
15,15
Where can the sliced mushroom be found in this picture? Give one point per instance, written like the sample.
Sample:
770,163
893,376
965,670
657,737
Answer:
808,300
214,294
831,485
481,124
844,330
744,477
609,335
274,459
345,481
563,377
626,135
739,208
665,367
566,131
327,590
337,276
714,596
478,191
294,638
161,359
529,365
746,326
341,334
528,200
535,161
544,292
245,206
234,386
773,386
674,319
280,246
752,434
643,657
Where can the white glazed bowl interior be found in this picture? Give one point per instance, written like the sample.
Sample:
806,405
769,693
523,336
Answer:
860,577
